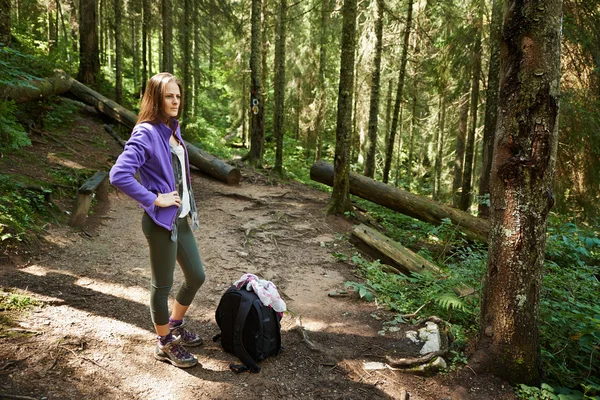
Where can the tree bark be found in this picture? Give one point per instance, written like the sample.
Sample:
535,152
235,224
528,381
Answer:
375,83
465,196
340,196
5,30
491,109
279,92
167,39
459,156
521,196
118,53
411,138
322,97
257,129
388,111
404,202
186,39
146,10
89,61
392,138
439,146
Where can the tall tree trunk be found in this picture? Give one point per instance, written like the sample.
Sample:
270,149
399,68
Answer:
52,23
465,198
411,138
89,61
392,139
439,148
211,53
491,109
150,53
388,111
74,26
134,7
167,33
374,104
257,131
321,82
118,53
5,31
264,48
521,191
461,136
355,144
244,111
187,60
102,28
145,26
340,196
64,30
197,74
279,92
399,152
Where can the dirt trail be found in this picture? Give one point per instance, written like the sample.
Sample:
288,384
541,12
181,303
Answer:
93,338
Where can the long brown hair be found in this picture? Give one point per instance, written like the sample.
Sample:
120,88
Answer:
151,108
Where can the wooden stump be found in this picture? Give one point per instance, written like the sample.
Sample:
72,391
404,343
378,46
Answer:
98,184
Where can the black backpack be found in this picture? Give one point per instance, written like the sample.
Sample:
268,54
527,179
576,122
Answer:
249,329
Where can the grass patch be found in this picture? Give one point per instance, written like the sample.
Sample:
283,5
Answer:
13,307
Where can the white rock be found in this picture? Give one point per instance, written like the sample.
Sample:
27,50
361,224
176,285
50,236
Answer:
413,336
430,334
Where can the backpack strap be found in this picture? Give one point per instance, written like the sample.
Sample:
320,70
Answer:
238,344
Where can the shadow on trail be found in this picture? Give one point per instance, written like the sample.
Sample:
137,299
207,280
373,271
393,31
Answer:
63,287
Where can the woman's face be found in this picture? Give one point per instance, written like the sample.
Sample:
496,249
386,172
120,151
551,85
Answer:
172,99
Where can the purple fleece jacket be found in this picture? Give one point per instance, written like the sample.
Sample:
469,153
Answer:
148,152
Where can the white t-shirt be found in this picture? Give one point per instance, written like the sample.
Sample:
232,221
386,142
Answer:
185,196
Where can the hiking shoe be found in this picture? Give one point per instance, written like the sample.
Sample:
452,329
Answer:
174,353
185,337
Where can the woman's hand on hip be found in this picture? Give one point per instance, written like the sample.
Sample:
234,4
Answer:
168,199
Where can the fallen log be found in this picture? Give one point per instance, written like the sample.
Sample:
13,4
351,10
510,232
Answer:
396,258
202,160
28,90
406,203
390,252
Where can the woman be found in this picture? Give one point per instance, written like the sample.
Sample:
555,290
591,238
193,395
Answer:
157,152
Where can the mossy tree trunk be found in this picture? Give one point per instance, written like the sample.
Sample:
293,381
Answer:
521,196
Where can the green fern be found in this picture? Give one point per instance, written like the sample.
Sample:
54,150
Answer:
450,301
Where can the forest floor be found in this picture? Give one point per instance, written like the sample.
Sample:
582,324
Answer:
90,336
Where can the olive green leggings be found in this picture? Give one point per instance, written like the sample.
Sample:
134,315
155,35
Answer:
163,253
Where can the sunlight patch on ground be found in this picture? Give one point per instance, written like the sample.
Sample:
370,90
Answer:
36,270
135,294
55,158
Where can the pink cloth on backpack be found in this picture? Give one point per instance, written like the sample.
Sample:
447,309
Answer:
265,290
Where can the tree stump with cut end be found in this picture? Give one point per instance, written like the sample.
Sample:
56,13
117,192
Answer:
98,184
